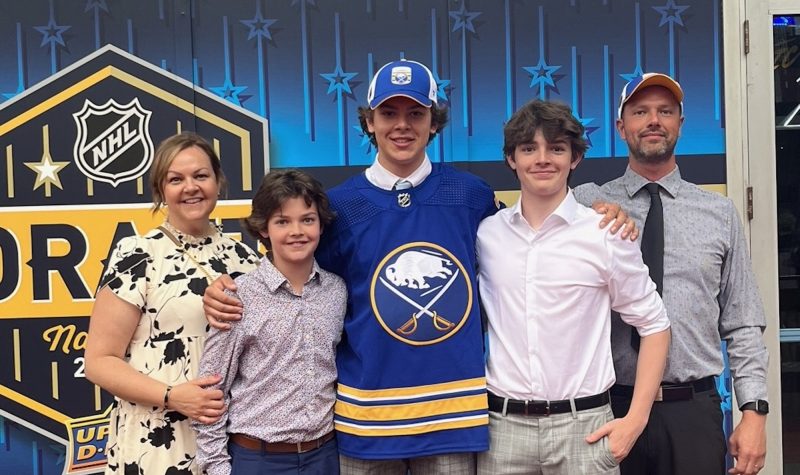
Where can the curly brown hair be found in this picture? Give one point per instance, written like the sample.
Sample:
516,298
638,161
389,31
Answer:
554,119
276,188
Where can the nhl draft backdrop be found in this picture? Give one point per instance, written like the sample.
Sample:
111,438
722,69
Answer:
77,148
89,87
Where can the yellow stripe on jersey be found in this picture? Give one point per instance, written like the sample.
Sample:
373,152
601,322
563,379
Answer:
399,412
412,391
411,429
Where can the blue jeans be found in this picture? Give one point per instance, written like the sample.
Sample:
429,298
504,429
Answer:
321,461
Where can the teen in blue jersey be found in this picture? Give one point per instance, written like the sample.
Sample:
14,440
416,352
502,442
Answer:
412,391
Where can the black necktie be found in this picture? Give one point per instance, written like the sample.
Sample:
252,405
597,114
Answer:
652,245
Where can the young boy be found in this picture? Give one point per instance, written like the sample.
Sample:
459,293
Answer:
549,279
278,364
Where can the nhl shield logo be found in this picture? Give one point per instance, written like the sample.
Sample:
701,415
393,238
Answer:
404,200
113,144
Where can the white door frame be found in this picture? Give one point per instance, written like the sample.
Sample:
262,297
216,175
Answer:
750,152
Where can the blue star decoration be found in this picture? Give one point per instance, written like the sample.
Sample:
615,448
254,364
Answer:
338,80
259,26
542,73
61,451
463,18
364,139
441,87
671,13
724,394
635,74
9,95
97,4
51,33
587,131
229,92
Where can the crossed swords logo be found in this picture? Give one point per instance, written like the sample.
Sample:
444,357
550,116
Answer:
439,322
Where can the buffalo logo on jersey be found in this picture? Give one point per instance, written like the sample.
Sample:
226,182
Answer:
113,143
421,293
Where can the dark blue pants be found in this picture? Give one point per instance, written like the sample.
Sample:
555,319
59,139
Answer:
321,461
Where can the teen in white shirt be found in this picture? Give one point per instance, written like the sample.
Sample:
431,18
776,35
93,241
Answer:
549,278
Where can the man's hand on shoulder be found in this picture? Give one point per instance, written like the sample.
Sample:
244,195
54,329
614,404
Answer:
220,307
613,212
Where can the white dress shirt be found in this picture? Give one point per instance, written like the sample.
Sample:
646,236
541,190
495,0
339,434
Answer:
548,295
379,176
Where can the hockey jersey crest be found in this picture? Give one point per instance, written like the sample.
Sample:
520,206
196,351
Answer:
421,293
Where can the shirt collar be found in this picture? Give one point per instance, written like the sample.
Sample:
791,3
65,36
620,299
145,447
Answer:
634,182
274,279
566,210
379,176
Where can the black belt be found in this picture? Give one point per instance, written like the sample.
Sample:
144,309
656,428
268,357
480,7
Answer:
545,408
671,392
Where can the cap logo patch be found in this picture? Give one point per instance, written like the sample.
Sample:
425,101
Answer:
401,75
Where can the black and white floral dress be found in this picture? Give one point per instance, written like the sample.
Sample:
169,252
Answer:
151,273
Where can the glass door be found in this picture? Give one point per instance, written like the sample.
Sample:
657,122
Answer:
772,145
786,44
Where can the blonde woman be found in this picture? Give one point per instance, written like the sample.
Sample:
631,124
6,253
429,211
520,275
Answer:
147,328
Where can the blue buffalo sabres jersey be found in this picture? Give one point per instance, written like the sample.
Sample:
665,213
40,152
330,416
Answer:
411,369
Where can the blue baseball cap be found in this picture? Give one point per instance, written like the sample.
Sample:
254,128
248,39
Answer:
402,78
646,80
